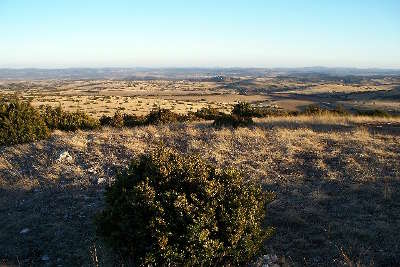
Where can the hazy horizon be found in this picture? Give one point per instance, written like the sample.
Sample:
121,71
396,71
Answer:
196,67
176,34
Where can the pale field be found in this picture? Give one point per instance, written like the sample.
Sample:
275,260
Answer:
135,97
104,97
337,181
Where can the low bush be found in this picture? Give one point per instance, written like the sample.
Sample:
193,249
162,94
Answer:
208,113
161,116
105,120
115,121
314,110
20,122
167,209
156,116
133,120
232,120
56,118
373,113
241,116
244,110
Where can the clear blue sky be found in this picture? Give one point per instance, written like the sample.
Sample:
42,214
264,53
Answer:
203,33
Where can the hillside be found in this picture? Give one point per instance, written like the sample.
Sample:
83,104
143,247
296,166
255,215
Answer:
336,181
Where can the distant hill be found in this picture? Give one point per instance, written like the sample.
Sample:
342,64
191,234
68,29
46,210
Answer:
181,73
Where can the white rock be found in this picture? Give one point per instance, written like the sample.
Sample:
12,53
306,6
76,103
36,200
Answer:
65,156
24,231
101,180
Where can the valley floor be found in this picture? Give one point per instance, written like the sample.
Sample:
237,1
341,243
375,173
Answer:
337,182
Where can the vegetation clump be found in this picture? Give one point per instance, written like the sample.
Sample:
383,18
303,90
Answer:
169,209
244,110
241,116
374,113
131,120
208,113
20,122
115,121
56,118
232,120
160,116
313,110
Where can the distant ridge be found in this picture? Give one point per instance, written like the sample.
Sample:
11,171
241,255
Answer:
179,73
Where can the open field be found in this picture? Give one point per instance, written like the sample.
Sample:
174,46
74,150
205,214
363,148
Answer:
336,180
99,97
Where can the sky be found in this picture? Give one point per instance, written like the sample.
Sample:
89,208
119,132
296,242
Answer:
199,33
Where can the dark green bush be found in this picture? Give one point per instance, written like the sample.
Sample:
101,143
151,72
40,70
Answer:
160,116
56,118
133,120
106,120
166,209
20,122
208,113
232,120
243,109
241,116
115,121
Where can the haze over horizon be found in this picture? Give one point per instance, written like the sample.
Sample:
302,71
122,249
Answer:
63,34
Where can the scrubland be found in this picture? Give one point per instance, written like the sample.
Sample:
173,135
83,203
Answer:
333,168
336,181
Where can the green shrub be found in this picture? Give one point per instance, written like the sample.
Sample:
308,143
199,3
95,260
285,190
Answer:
20,122
167,209
115,121
133,120
232,120
56,118
208,113
243,109
106,120
160,116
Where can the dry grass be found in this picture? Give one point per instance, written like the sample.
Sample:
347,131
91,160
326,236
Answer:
336,179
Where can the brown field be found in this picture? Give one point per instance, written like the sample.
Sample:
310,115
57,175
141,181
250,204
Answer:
99,97
336,178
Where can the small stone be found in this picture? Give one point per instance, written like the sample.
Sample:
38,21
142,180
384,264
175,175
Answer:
24,231
101,180
45,258
65,156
